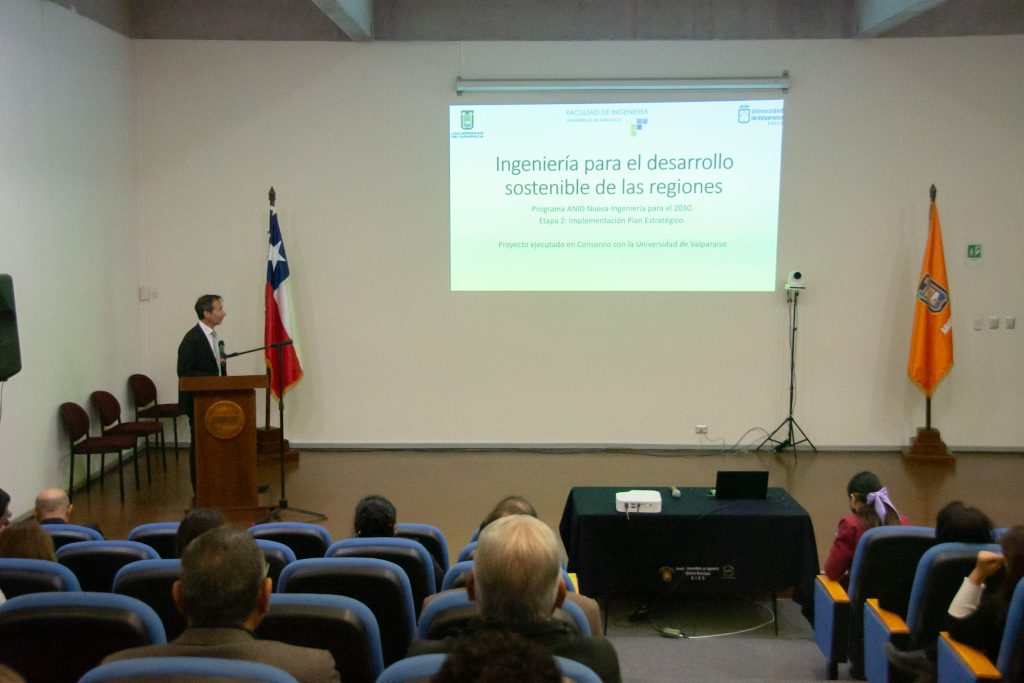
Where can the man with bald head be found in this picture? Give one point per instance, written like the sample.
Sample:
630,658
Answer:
54,507
517,582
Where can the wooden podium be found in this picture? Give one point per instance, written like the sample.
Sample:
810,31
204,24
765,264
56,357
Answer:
225,440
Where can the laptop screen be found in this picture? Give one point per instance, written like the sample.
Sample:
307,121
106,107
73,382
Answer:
742,484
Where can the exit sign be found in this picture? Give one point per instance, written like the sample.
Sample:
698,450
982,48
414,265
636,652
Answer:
974,254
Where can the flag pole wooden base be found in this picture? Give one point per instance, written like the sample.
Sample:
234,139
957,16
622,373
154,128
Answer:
928,447
268,446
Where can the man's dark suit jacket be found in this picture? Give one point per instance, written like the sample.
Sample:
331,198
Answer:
306,664
195,359
563,641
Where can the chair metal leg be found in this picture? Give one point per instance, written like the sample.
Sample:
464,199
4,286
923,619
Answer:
120,473
103,469
71,478
175,421
149,471
135,460
163,444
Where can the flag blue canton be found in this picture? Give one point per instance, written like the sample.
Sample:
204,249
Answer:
276,275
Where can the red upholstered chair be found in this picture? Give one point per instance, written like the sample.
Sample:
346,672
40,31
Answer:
146,406
76,423
109,408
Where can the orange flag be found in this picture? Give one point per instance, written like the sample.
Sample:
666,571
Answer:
931,345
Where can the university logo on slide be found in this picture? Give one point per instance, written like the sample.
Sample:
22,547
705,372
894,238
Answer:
467,119
744,114
932,294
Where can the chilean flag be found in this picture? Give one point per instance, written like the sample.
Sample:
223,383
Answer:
279,325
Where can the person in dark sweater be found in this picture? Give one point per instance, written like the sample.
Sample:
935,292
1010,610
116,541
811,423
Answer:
977,613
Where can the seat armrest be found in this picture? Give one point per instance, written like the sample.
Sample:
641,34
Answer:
831,623
959,663
880,627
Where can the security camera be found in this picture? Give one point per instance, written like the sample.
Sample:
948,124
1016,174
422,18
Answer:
796,280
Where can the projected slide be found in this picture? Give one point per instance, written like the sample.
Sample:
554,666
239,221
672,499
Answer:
680,196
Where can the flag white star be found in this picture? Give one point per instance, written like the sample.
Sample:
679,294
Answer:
275,255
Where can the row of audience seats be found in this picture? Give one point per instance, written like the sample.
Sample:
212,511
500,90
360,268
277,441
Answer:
117,436
901,584
418,668
355,599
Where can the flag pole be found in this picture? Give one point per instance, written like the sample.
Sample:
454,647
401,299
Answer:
269,439
266,421
927,446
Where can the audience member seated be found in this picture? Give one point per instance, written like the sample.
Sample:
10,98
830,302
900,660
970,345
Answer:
978,611
517,505
869,507
376,517
957,523
517,582
224,593
5,509
27,540
497,657
54,507
195,522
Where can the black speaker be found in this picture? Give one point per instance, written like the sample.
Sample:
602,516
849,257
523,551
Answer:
10,350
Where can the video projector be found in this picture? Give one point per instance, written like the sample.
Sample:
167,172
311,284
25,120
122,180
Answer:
638,501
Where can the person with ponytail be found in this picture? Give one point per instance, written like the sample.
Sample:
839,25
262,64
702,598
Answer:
870,506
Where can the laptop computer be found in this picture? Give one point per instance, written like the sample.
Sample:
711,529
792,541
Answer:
742,484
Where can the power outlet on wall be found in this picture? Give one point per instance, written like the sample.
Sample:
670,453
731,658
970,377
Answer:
701,429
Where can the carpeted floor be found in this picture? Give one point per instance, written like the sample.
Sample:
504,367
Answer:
725,638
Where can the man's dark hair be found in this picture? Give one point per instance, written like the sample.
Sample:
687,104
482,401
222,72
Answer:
495,656
509,505
222,571
5,501
205,303
375,516
961,524
196,522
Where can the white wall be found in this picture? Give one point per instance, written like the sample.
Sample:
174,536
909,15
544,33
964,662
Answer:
68,229
353,138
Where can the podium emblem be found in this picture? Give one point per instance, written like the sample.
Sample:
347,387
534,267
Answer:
224,419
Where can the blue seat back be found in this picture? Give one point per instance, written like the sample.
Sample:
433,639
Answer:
57,637
1011,648
341,625
416,668
451,611
467,551
150,581
410,555
430,537
190,668
22,576
277,555
160,536
70,533
940,573
95,563
380,585
884,566
306,540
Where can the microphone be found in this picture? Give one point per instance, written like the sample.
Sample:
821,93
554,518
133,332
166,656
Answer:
223,358
286,342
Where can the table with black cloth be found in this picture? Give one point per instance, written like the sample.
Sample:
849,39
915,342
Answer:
697,543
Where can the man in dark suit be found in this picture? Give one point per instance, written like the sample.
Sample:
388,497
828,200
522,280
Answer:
224,592
198,356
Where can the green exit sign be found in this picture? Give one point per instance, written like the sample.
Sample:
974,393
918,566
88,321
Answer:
974,254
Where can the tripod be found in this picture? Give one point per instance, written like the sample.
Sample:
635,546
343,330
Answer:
282,503
789,423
